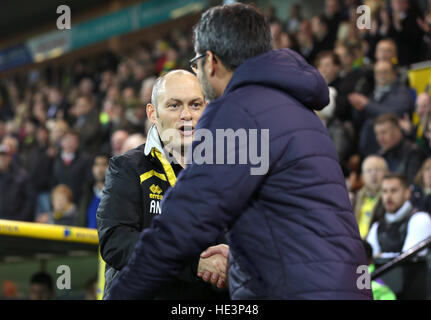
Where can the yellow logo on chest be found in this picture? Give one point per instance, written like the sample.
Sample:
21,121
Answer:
156,192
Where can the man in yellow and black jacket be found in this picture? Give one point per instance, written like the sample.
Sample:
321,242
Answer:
137,181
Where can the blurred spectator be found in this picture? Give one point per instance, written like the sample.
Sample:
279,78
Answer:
139,74
80,71
160,49
306,42
328,65
380,290
400,22
88,124
17,197
295,18
86,87
13,144
136,117
2,129
401,155
107,80
64,211
40,169
57,106
128,95
388,97
91,289
57,130
40,111
323,40
333,14
10,290
112,118
402,227
71,167
270,13
146,90
276,29
367,203
282,39
351,80
90,200
28,142
421,196
414,129
6,112
41,287
113,93
118,139
133,141
386,49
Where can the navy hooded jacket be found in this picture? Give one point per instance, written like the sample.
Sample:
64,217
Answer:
291,232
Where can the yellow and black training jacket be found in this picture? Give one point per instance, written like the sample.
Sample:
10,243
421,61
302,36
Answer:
134,188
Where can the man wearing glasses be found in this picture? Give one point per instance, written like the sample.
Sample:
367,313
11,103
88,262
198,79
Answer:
291,230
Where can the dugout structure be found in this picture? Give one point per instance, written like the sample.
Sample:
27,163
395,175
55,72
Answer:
27,247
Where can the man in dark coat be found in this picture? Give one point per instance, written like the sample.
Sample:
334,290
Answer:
402,156
72,167
291,230
17,198
389,96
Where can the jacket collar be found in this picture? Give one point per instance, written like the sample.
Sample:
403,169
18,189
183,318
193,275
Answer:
397,150
400,214
153,141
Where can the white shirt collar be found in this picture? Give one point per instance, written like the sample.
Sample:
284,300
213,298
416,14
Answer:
97,192
400,214
153,141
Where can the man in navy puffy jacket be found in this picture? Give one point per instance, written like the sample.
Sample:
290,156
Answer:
290,226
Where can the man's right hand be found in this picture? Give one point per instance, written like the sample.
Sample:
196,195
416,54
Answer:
214,265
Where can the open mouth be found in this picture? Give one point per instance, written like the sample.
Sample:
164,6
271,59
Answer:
186,130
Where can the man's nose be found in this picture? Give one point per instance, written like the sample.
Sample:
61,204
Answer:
186,114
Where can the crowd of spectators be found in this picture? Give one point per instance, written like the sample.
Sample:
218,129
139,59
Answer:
373,110
379,123
58,127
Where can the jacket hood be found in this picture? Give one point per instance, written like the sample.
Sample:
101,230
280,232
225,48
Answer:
285,70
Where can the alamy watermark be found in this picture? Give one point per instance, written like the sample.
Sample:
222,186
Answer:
364,279
64,20
228,146
364,20
64,280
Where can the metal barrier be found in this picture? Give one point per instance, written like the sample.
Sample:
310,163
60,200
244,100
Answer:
401,258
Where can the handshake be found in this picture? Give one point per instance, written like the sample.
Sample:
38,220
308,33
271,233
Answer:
214,265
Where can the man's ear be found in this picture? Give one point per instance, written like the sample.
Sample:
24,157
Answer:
408,194
151,113
211,63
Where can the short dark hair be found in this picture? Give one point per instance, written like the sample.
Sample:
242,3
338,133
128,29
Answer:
234,33
323,20
42,278
325,54
393,67
399,177
388,117
101,155
72,132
